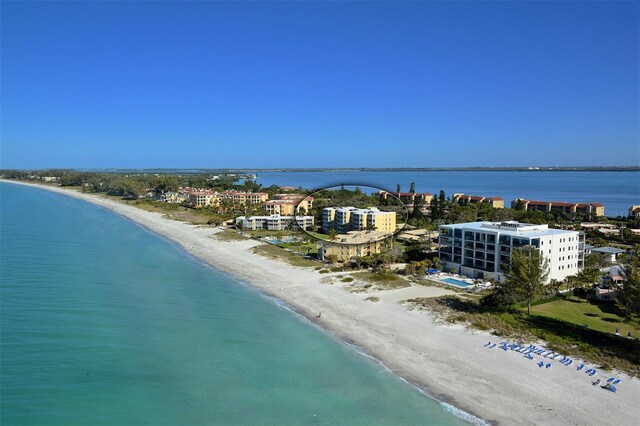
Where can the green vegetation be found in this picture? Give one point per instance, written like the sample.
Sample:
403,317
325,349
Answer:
318,235
228,235
561,333
204,216
383,280
373,299
629,294
525,280
527,274
274,252
347,279
302,247
605,317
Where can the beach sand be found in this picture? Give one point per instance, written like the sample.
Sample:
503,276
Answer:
449,362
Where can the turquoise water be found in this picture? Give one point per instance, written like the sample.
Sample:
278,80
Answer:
616,190
103,322
457,283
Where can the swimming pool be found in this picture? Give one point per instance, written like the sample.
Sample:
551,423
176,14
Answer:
455,282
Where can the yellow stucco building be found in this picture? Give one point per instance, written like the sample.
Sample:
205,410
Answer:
345,219
353,244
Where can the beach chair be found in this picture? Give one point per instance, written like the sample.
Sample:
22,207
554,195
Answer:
593,373
487,344
548,365
617,381
541,364
589,371
611,380
492,346
528,356
570,362
580,367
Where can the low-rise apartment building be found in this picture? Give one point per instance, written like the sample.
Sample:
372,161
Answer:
173,197
634,212
201,197
570,209
275,222
289,204
409,198
483,249
353,244
465,200
238,197
346,219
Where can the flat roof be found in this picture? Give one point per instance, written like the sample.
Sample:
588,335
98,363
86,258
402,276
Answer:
510,228
357,237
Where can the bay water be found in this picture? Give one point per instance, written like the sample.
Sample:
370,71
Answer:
103,322
617,190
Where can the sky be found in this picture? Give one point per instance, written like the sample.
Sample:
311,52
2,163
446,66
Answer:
319,84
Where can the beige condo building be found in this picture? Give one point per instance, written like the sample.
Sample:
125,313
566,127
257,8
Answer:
288,204
353,244
346,219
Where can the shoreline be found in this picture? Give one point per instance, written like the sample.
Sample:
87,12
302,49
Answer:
447,362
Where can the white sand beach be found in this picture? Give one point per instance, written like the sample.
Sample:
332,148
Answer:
448,362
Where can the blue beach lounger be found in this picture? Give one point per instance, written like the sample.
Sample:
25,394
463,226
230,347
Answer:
580,367
529,356
617,381
548,365
541,364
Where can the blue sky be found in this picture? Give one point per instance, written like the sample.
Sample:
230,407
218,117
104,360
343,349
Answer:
293,84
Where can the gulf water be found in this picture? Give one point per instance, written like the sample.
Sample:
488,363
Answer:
616,190
103,322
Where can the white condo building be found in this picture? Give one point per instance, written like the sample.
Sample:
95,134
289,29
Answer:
275,222
480,249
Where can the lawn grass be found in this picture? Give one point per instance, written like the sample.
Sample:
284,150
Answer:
274,252
603,317
318,235
601,348
304,248
258,233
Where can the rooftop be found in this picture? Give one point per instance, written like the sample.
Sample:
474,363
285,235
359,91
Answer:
607,250
511,227
360,237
